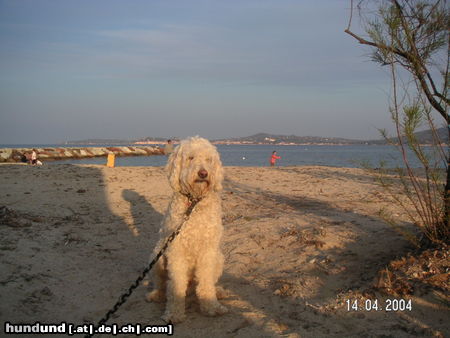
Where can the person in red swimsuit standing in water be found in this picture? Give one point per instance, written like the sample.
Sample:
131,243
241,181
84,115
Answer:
274,158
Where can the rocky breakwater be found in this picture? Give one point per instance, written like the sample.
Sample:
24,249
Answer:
63,153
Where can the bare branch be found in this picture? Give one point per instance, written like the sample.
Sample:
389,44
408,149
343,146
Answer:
377,45
351,15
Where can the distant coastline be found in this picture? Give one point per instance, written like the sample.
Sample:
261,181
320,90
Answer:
426,137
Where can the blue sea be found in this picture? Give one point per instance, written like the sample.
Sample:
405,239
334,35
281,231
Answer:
351,156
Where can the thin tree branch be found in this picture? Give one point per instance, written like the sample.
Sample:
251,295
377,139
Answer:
351,15
435,92
377,45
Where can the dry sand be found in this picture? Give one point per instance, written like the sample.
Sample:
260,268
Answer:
299,242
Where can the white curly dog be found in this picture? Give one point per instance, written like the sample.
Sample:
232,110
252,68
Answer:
194,172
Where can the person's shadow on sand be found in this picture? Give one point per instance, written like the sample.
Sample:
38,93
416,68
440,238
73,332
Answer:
143,213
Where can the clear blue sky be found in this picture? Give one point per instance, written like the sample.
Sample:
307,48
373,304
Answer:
128,69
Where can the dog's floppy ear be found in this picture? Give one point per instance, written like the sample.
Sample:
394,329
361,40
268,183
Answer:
173,168
218,173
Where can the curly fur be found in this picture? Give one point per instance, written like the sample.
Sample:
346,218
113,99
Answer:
194,255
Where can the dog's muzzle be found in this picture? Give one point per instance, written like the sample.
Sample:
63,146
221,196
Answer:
202,176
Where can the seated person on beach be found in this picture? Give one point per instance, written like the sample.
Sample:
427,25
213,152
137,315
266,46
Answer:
168,148
34,157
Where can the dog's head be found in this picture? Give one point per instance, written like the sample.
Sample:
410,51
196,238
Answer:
195,168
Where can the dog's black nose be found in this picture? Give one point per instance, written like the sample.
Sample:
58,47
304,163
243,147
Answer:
202,173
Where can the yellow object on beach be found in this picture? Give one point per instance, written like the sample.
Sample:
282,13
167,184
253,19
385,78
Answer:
111,160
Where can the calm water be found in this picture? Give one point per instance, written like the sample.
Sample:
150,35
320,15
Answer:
258,155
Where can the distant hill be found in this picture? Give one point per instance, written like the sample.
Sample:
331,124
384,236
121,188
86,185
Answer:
423,137
426,136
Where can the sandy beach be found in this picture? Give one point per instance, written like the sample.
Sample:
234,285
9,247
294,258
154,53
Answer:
300,244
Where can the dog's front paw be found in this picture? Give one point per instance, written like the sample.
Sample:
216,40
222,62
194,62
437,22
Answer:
156,296
213,309
173,318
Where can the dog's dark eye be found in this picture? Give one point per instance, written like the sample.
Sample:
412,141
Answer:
191,158
209,160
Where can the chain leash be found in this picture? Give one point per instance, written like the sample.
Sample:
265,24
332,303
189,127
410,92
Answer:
123,298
